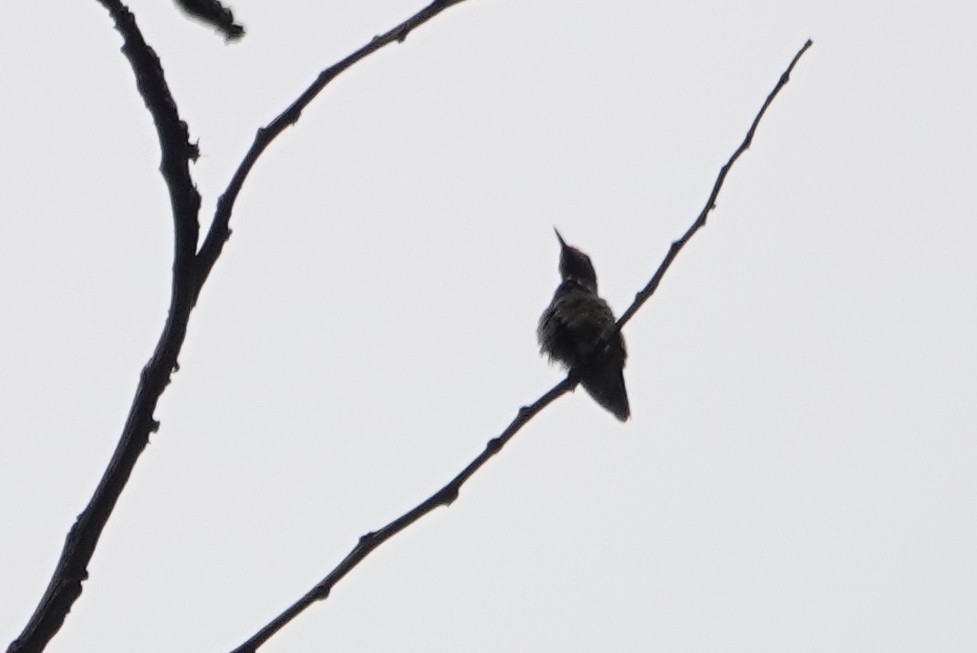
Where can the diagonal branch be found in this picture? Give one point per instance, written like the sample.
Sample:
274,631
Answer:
645,293
447,494
177,152
219,230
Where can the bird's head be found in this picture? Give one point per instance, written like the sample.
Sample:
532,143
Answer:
575,265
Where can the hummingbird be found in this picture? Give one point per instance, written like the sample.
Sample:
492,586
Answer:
575,323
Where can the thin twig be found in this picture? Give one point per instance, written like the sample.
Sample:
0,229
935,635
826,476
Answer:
447,494
219,230
645,293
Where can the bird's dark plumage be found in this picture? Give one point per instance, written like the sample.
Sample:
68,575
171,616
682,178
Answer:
575,322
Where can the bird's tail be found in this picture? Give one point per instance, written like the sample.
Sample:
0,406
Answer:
605,383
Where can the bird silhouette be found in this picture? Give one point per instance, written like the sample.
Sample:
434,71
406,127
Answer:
576,323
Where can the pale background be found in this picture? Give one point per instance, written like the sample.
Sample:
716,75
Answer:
799,471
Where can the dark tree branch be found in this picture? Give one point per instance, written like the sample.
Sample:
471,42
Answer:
66,584
447,494
214,14
190,272
219,231
367,543
645,293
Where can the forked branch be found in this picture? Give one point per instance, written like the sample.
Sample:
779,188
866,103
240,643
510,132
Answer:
190,271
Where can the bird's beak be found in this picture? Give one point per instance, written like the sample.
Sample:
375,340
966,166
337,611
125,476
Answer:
563,243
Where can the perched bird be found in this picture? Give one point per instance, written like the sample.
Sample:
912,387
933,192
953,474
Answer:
575,322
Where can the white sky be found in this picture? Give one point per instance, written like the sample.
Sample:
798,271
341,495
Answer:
799,471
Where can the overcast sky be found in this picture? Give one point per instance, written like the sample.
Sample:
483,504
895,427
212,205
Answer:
798,474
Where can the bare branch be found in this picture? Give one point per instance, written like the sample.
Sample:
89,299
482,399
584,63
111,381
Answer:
66,584
447,494
190,272
219,231
645,293
367,543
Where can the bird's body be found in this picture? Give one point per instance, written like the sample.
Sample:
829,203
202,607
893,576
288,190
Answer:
577,321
